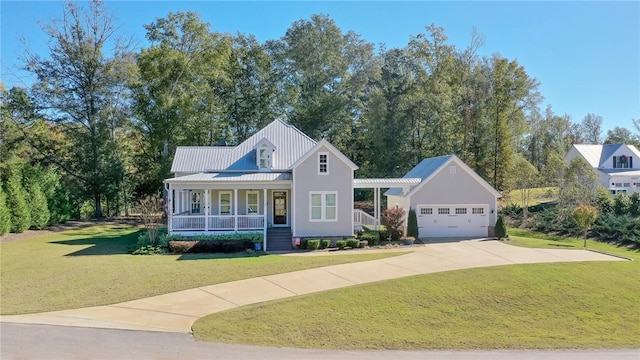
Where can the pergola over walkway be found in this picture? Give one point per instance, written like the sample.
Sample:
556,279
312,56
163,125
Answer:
378,184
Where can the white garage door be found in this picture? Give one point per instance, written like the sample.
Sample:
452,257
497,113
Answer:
453,220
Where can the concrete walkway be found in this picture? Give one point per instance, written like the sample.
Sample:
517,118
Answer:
176,312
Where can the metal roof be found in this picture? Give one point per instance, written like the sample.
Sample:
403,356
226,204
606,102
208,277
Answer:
421,171
385,183
193,159
231,177
289,142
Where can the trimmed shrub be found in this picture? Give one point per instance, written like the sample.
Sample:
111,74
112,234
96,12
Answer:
341,244
617,229
303,244
255,237
412,224
353,243
210,246
5,213
501,228
325,243
313,244
371,237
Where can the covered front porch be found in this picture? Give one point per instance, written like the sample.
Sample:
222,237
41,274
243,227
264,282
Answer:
207,204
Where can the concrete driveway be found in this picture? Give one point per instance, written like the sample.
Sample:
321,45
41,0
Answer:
176,312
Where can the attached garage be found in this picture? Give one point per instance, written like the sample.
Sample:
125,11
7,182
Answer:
453,220
451,200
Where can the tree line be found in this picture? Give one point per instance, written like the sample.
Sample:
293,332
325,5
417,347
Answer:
98,127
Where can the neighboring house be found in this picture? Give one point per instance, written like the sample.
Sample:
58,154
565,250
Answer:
451,200
288,186
617,165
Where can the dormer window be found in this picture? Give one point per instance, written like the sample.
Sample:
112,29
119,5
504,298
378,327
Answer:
264,154
623,162
264,158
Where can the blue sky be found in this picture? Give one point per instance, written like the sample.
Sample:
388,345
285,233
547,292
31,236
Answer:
586,55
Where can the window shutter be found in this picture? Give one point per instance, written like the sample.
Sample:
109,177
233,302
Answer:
614,162
630,162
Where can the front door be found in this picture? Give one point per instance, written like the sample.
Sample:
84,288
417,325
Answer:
279,208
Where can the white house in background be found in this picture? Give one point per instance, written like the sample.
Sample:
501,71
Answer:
451,200
617,165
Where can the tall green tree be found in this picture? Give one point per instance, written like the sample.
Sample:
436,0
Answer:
17,202
526,177
5,213
579,185
175,96
76,82
38,206
621,135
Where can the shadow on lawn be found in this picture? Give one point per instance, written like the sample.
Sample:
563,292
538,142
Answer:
102,244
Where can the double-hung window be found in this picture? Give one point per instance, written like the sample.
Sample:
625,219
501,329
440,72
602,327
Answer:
252,202
224,203
323,206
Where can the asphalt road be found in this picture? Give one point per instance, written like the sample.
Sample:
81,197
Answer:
20,341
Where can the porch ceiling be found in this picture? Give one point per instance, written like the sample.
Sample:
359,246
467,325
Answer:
384,183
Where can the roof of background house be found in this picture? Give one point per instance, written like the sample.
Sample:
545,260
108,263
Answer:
290,145
423,170
596,155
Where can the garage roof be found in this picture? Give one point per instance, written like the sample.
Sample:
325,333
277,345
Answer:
384,183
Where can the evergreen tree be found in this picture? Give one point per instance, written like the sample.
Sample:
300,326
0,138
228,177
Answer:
5,214
39,208
501,228
20,214
412,225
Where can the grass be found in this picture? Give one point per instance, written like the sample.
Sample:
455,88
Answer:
90,266
538,195
534,306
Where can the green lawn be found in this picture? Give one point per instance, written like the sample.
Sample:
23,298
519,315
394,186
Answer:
538,195
537,306
90,266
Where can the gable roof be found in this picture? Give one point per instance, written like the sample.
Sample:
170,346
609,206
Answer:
428,168
290,144
597,155
331,148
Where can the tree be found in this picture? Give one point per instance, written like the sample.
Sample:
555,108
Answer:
39,207
412,225
150,207
5,213
17,203
585,216
75,86
579,184
621,135
592,128
175,93
526,178
393,221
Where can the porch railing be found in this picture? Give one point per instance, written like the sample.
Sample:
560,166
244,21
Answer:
362,218
217,222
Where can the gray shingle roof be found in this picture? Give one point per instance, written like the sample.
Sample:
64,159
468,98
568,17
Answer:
423,170
290,144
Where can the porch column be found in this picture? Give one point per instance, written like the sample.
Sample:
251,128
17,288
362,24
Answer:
376,203
206,210
235,209
264,225
169,209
